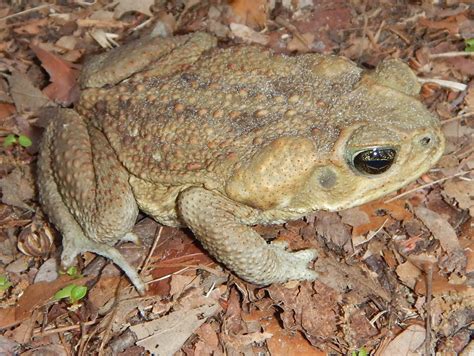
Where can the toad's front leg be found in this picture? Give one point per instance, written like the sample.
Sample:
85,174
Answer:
219,224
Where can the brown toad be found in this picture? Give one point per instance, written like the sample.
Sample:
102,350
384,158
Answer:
221,139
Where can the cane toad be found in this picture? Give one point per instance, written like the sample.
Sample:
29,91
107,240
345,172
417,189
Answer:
221,139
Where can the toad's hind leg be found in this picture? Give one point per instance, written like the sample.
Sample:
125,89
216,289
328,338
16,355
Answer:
84,190
221,226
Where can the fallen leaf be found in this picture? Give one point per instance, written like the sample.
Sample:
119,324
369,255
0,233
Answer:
142,6
166,335
175,252
301,44
26,96
8,347
462,191
48,271
6,110
34,296
407,342
180,283
104,39
408,273
32,27
287,343
208,335
67,42
17,187
330,227
440,228
51,349
247,34
63,88
449,24
252,13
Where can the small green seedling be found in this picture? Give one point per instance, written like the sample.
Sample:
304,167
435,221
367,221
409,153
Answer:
361,352
469,45
72,272
22,140
73,292
4,283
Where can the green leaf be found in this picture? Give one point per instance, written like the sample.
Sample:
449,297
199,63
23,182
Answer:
65,292
24,141
9,140
4,283
73,272
362,352
469,45
77,293
71,291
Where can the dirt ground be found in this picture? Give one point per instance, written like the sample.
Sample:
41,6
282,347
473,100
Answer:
397,274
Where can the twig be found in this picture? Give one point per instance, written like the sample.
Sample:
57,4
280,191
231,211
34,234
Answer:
371,235
152,250
33,9
429,292
294,31
376,317
458,117
402,36
451,54
38,333
426,185
444,83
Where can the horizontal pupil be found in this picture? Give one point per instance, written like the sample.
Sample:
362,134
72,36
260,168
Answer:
374,161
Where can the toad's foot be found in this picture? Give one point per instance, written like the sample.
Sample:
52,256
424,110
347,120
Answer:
80,244
294,265
220,225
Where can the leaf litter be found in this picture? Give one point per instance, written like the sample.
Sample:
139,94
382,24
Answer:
392,272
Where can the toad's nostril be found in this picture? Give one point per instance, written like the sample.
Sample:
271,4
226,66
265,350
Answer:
425,140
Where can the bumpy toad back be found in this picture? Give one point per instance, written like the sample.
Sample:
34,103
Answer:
219,139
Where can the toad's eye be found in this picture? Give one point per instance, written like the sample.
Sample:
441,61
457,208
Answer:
374,160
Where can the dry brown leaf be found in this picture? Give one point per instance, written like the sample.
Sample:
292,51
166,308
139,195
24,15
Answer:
166,335
51,349
67,42
287,343
17,187
208,335
408,273
248,35
6,110
311,309
26,96
32,27
463,192
449,24
301,44
440,228
379,214
329,225
8,346
180,283
354,217
252,13
63,88
33,297
141,6
469,99
407,342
